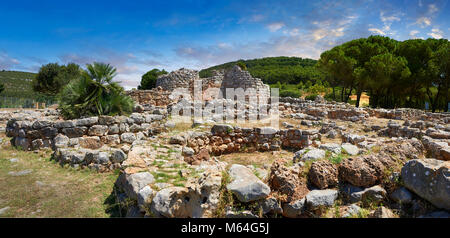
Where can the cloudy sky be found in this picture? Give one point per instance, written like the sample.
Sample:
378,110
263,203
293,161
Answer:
136,36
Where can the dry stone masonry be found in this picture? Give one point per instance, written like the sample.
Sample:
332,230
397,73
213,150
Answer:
326,159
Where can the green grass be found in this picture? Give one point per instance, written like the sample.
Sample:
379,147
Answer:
337,159
66,192
16,83
18,90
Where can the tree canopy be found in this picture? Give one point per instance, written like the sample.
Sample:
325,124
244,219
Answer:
148,80
94,93
394,73
53,77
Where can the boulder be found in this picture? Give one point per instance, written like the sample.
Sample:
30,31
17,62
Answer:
350,149
221,129
22,143
60,141
113,129
144,198
245,185
402,196
323,174
321,198
294,209
187,151
39,124
357,172
132,184
48,132
111,139
332,147
118,156
92,142
286,180
271,205
128,138
309,154
74,132
373,194
171,202
352,210
353,138
430,179
64,124
87,121
98,130
313,154
383,212
106,120
177,140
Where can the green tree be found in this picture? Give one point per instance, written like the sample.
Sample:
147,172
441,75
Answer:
417,54
242,65
53,77
94,93
339,66
2,87
385,70
438,69
148,80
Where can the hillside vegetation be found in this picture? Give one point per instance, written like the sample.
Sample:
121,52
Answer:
288,70
18,91
17,84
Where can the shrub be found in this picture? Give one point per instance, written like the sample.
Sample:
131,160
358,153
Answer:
148,80
290,93
2,88
242,65
94,93
311,97
53,77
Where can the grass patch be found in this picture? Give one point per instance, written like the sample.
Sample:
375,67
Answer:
225,198
338,158
52,191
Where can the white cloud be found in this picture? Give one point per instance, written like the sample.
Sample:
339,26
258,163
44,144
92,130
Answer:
436,33
6,62
256,18
423,21
273,27
413,33
377,31
432,9
426,17
391,18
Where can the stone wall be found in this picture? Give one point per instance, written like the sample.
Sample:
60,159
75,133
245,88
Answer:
155,97
182,78
89,133
238,78
224,139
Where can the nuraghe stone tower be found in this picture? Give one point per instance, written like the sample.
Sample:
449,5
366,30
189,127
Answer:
238,78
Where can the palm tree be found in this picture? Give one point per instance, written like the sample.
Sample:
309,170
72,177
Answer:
95,93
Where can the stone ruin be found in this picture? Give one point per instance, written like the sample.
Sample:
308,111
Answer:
411,145
184,78
238,78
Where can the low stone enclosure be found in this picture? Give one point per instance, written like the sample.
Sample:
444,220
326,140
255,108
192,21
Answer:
326,159
137,147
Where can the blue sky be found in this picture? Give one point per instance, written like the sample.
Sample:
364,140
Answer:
136,36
